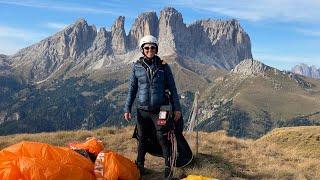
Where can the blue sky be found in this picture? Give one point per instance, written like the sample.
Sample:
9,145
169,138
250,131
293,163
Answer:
283,32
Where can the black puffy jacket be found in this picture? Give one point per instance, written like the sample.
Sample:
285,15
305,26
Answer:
151,89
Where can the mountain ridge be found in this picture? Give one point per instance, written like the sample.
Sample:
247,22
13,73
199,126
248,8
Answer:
81,49
305,70
254,98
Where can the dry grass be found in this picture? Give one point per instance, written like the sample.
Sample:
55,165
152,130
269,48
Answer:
286,153
261,93
278,95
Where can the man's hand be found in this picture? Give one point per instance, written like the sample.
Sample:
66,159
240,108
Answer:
127,116
177,115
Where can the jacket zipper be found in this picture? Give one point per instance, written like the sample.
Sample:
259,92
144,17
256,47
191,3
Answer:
150,81
150,78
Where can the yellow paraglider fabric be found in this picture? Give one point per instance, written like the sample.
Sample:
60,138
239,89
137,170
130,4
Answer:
195,177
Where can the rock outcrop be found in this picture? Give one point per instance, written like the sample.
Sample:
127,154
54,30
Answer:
174,36
4,63
39,61
146,24
251,67
220,43
305,70
118,36
80,49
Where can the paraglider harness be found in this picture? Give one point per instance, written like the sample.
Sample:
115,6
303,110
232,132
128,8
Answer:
166,117
166,113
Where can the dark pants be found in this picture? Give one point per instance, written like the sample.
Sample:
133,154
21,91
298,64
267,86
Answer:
147,125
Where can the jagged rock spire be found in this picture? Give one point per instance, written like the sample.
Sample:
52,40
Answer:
146,24
220,43
173,33
118,36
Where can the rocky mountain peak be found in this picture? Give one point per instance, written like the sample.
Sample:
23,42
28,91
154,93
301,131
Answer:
118,36
305,70
251,67
314,67
220,43
118,24
79,46
170,13
102,44
102,32
39,61
81,22
173,33
79,26
233,22
3,56
78,37
145,24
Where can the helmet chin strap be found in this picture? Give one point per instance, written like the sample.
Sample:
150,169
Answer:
149,58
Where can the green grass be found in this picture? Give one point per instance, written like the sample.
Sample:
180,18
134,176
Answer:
270,100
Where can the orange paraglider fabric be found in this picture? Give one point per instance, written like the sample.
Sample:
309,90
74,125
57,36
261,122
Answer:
112,166
92,145
40,161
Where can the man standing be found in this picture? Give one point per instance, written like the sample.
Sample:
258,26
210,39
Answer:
150,77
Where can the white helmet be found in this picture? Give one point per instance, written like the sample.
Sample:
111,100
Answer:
148,39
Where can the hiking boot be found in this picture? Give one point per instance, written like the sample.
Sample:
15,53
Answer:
167,173
141,168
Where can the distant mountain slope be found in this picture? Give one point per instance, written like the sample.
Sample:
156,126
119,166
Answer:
305,70
255,98
81,102
4,64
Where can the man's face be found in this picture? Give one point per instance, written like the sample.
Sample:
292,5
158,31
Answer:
149,50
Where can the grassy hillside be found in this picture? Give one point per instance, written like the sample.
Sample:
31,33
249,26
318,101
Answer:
251,105
285,153
304,140
280,95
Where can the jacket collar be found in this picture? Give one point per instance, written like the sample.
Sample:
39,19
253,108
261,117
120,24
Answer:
155,59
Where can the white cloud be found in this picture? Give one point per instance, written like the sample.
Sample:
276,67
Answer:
12,39
279,10
9,47
286,62
60,7
20,33
55,25
309,32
